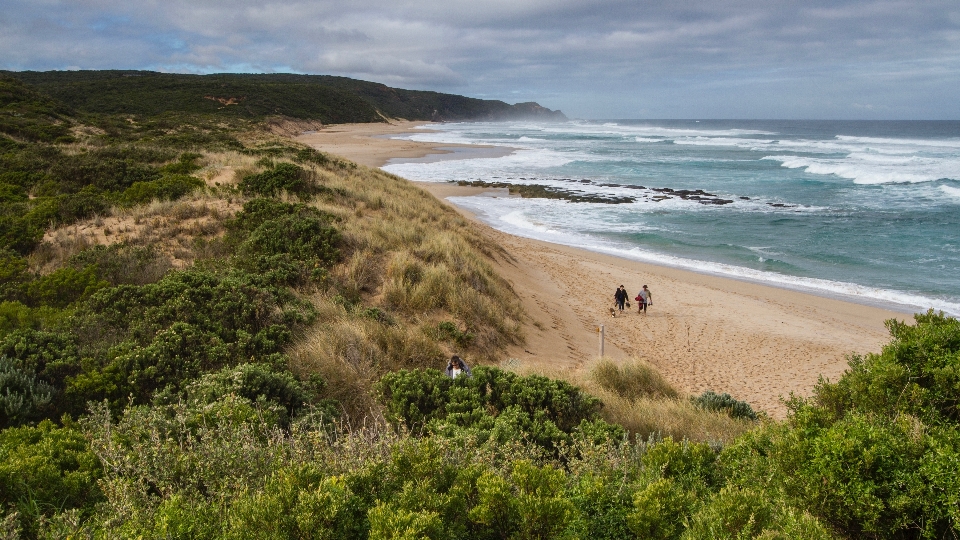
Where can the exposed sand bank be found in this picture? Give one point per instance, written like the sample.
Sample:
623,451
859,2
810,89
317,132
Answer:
368,145
758,343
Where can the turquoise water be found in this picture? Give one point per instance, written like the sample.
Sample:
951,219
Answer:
867,211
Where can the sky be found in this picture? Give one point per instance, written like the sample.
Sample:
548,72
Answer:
594,59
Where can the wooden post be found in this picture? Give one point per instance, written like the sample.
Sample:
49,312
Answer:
601,330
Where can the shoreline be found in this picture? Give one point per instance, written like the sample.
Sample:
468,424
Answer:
467,191
756,341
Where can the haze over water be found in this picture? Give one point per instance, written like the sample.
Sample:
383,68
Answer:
869,211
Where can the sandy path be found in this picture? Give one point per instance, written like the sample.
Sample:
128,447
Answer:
758,343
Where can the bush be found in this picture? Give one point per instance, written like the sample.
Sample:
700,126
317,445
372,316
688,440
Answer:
45,470
917,373
283,177
17,233
166,188
732,514
257,382
447,330
13,274
52,356
493,404
17,316
303,237
186,164
530,503
287,244
87,202
660,509
711,401
104,172
22,397
63,287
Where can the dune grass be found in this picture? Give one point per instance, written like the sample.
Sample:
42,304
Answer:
637,397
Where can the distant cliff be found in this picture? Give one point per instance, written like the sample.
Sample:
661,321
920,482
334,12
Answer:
317,97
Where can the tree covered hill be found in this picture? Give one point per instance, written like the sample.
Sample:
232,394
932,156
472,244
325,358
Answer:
317,97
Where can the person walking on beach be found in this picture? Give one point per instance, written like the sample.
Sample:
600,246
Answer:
620,297
644,299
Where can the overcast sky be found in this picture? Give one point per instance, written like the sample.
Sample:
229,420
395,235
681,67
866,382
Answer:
882,59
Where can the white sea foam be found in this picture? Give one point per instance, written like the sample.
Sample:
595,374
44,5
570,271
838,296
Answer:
648,131
865,168
952,191
484,168
514,216
936,143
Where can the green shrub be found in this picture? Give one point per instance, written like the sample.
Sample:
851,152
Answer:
22,397
302,237
917,373
161,336
731,514
17,316
283,177
690,464
387,522
52,356
12,193
530,503
45,470
860,474
603,504
257,382
287,244
447,330
104,172
166,188
17,233
711,401
13,274
295,503
660,510
493,404
87,202
63,287
186,164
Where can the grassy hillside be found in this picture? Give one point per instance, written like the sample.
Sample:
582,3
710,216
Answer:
208,331
317,97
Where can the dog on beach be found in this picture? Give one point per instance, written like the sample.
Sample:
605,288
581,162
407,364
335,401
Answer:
613,312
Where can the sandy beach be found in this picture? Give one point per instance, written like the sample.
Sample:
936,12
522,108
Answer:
756,342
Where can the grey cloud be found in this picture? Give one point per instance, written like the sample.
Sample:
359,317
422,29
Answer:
604,58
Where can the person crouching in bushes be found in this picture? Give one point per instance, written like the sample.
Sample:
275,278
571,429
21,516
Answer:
456,367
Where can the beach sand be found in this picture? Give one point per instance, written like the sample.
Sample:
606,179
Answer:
367,144
756,342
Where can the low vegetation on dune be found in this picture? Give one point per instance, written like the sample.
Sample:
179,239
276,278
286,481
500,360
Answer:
208,331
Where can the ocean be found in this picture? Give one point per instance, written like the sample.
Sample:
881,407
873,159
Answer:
867,211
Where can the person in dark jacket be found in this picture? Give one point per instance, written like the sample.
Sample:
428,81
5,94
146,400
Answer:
620,297
457,367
